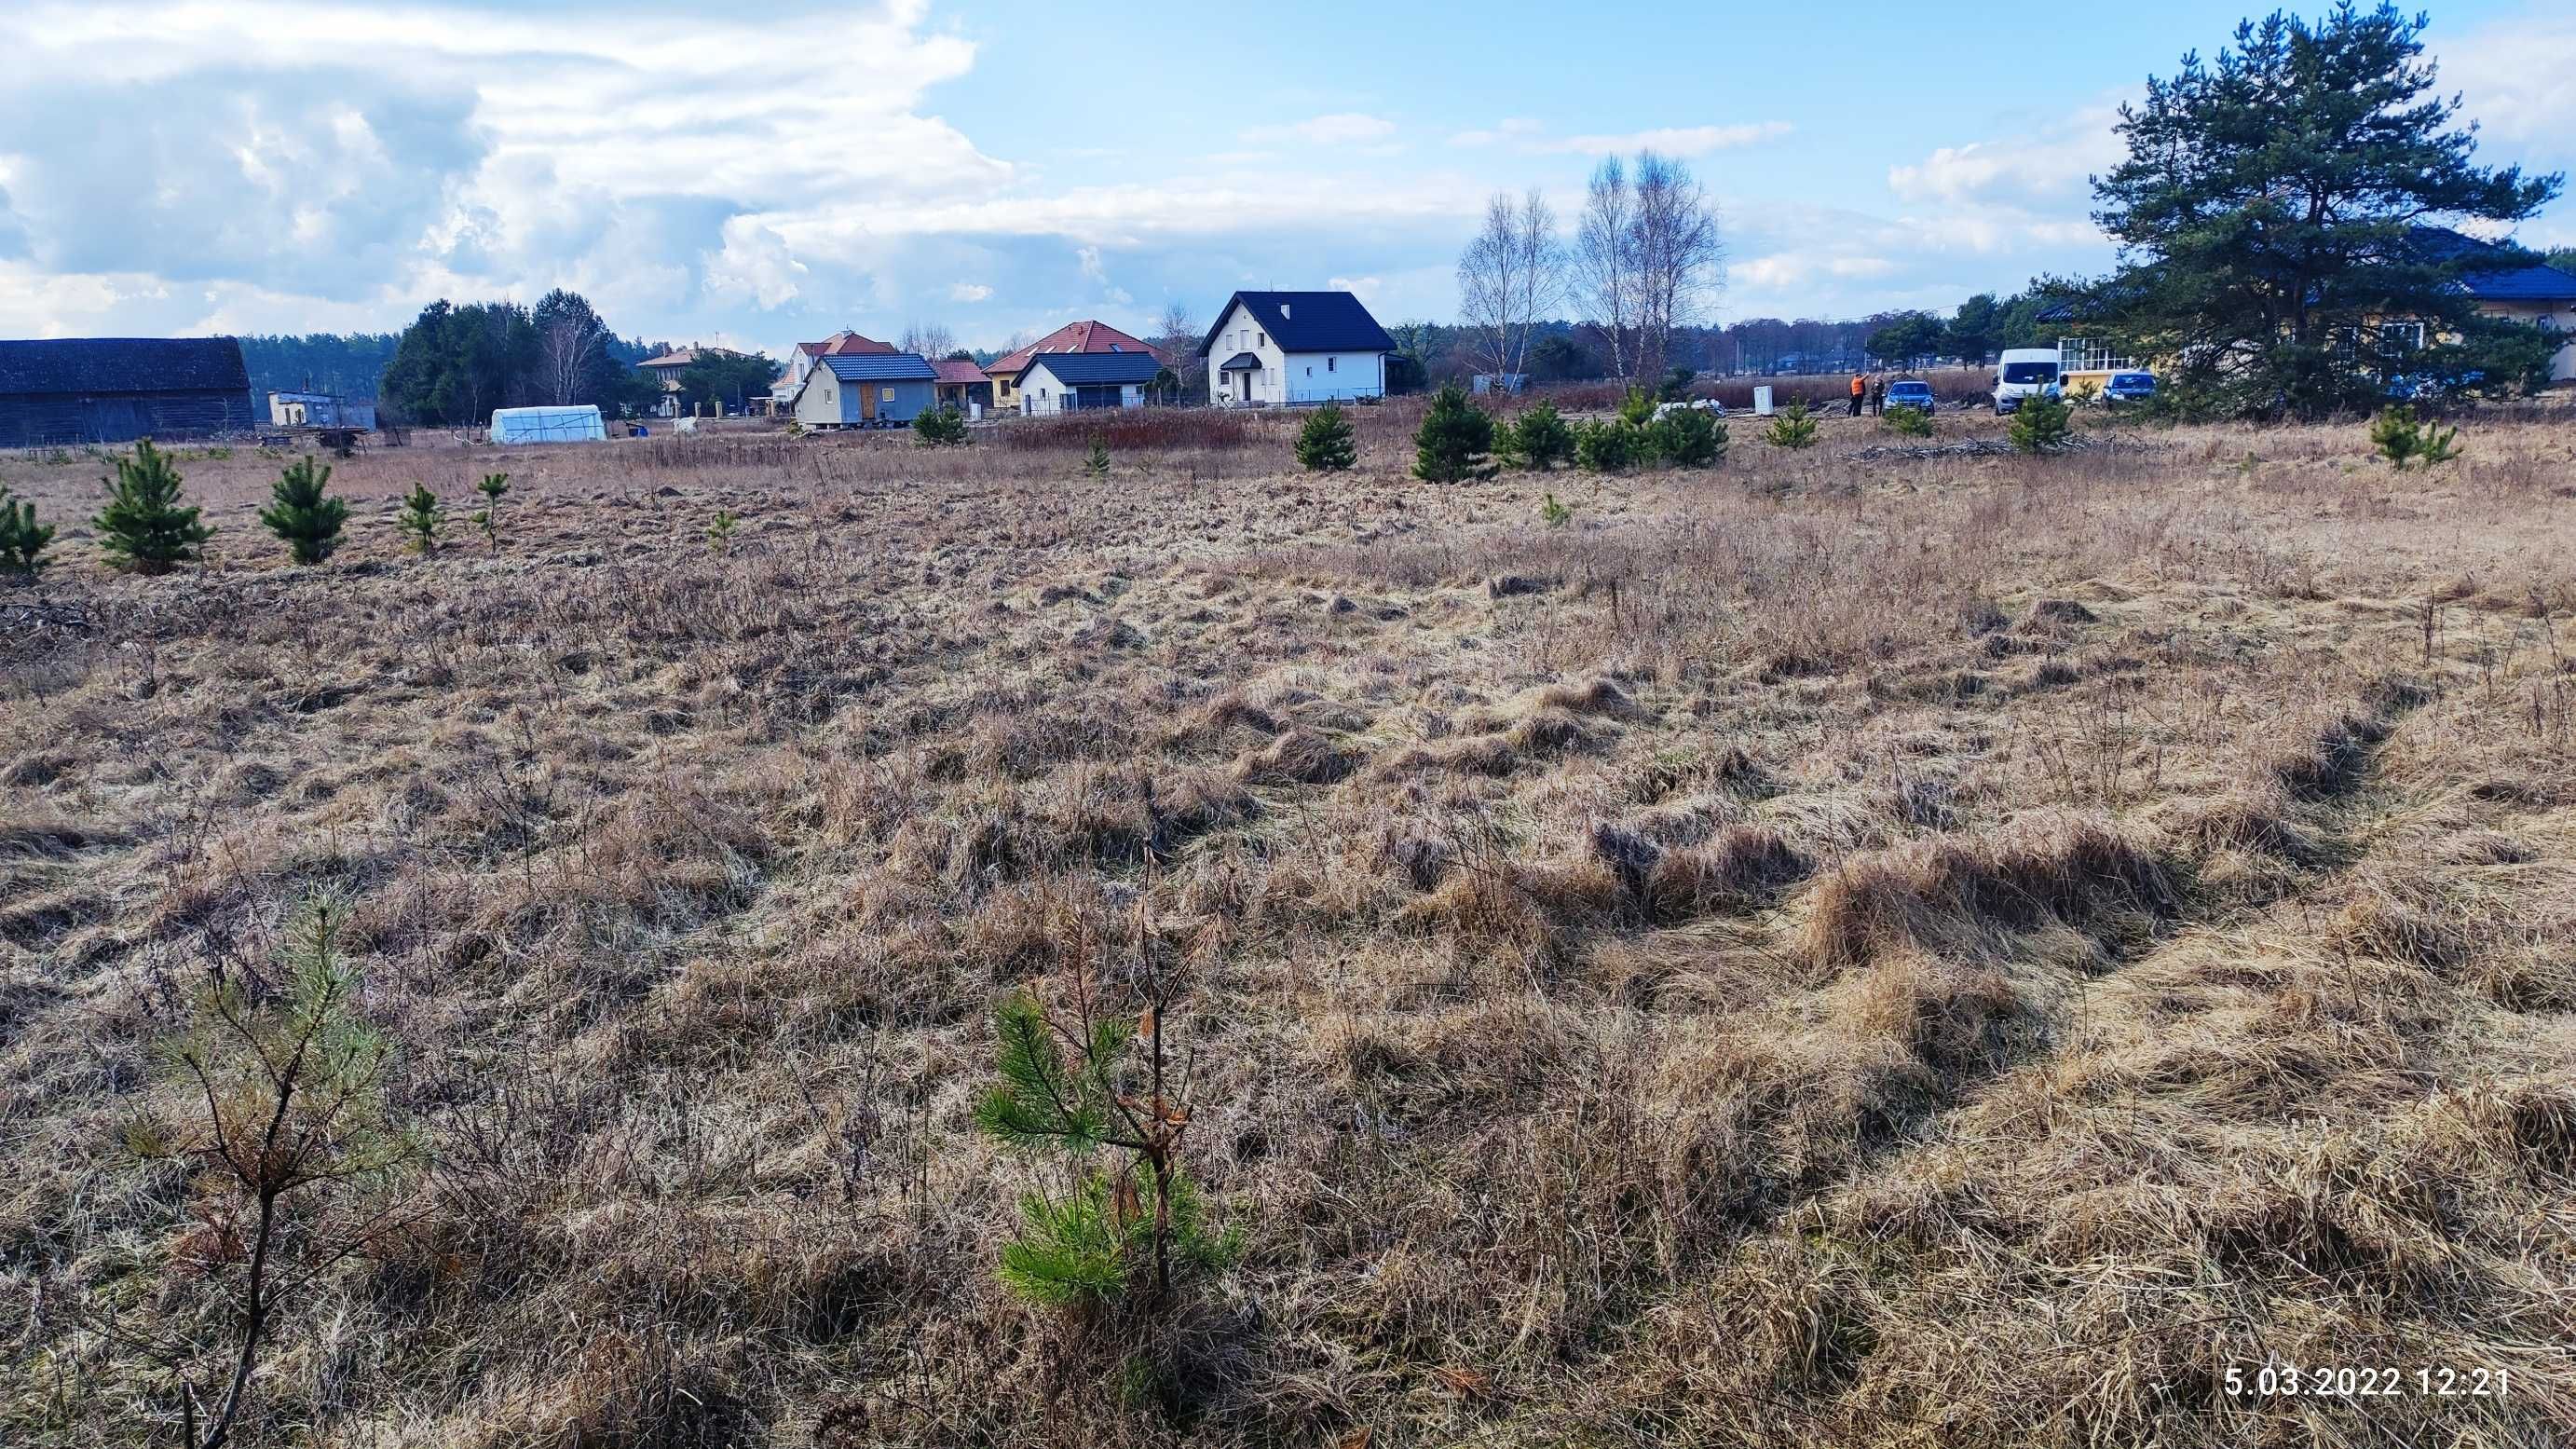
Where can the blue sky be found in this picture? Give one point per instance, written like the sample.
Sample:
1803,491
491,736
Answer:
171,166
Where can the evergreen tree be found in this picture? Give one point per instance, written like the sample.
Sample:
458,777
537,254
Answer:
1455,436
1611,446
1096,462
1793,428
2270,212
1326,443
1097,1087
1908,421
22,538
300,513
939,428
144,528
488,517
2040,424
1689,438
420,518
1536,440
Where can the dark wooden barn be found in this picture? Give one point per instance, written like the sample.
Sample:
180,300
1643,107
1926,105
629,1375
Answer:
116,389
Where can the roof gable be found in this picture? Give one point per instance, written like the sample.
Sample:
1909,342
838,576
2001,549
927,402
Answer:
1306,322
123,364
2492,273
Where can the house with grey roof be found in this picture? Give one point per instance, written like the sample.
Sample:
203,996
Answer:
71,390
1064,382
866,390
1271,349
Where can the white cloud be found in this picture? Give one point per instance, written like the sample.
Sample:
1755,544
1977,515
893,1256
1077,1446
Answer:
1671,141
969,292
754,263
2049,166
1343,129
2517,79
1531,137
1363,288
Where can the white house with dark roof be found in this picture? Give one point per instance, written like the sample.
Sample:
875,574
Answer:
1272,349
1064,382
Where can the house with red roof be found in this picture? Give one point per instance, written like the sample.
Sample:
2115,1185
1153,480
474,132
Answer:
1090,336
843,343
963,387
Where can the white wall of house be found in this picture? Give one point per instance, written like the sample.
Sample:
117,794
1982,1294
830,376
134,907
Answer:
1042,393
1287,377
818,405
2558,316
1339,376
1240,331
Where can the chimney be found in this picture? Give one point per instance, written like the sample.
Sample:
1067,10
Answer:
1284,310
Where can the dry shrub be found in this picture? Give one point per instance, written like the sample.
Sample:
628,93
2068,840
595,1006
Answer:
1964,897
1961,1021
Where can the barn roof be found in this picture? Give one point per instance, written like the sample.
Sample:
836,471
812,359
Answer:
123,364
1098,367
880,367
958,369
1307,322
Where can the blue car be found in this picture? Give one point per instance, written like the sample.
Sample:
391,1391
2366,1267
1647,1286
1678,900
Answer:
2127,387
1910,394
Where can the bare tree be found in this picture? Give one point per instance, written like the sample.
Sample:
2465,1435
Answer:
929,339
1677,256
568,353
1177,336
1605,262
1509,274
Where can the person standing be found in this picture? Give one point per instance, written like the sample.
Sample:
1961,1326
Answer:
1877,395
1859,385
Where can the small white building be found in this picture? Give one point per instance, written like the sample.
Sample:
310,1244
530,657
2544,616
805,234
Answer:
1271,349
1064,382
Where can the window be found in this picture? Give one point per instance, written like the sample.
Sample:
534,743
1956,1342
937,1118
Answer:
1331,364
2088,354
1260,338
885,394
1310,369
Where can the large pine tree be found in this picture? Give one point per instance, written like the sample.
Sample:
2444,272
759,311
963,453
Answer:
2269,212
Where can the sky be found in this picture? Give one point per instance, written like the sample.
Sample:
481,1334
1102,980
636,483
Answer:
752,176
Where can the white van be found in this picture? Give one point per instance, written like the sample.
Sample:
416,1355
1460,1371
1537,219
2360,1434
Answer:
2024,372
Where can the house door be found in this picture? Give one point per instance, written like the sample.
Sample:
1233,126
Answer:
867,404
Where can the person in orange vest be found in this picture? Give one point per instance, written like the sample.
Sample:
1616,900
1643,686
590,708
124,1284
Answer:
1859,385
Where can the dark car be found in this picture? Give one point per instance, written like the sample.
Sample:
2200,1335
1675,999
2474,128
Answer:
2128,387
1910,394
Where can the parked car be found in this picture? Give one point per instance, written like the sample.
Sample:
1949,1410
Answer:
1911,393
2128,387
2025,372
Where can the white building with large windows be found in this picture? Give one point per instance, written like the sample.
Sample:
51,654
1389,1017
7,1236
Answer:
1275,349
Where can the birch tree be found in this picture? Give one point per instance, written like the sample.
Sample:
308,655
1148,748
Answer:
1677,256
1604,261
1510,274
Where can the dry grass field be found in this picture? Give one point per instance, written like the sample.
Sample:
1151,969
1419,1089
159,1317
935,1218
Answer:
1833,950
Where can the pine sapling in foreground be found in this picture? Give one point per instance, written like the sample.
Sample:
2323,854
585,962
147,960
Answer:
299,512
1793,428
144,528
488,517
1102,1092
1454,439
22,538
420,518
1326,443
